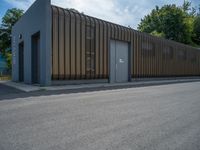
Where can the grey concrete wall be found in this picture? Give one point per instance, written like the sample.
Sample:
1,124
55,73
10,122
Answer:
36,18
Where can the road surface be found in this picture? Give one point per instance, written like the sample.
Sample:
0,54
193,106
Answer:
165,117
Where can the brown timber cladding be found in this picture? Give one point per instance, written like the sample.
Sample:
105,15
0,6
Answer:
80,50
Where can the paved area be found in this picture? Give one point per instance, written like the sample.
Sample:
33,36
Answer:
7,90
135,83
21,86
164,117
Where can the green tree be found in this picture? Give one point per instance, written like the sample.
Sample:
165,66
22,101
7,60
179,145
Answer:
196,30
171,22
186,6
8,20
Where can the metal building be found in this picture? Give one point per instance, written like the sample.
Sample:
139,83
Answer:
52,45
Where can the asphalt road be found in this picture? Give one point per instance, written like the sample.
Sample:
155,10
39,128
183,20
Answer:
6,90
165,117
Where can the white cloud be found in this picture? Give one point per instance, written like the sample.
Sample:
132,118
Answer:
124,12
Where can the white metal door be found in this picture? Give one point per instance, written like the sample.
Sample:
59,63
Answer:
118,61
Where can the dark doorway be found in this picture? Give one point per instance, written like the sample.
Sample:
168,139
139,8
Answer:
21,62
35,58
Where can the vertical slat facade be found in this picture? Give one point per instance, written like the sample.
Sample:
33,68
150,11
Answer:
80,50
72,44
67,44
55,43
61,43
78,46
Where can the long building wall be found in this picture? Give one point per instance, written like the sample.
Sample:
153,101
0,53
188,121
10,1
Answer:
80,49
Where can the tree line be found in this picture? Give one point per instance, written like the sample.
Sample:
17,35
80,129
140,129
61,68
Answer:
9,19
178,23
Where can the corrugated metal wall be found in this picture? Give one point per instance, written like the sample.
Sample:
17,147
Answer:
80,50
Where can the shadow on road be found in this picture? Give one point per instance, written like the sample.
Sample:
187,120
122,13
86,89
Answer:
9,93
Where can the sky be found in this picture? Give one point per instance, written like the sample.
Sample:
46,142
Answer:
123,12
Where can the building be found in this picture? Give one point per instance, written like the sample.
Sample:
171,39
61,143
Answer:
52,45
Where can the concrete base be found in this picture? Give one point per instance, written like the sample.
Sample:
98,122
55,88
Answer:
78,82
134,83
164,78
22,86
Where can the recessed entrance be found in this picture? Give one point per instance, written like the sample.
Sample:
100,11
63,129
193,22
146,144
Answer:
35,58
21,62
118,61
